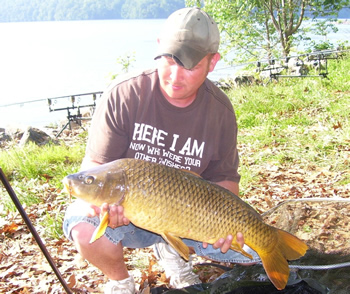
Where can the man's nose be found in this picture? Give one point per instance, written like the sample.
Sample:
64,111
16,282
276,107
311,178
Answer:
176,72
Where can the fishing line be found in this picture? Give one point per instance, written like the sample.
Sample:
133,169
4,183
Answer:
319,199
37,238
319,267
294,266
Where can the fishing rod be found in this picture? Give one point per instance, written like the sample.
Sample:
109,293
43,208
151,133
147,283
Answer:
51,99
37,238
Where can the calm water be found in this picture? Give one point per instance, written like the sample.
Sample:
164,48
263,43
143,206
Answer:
49,59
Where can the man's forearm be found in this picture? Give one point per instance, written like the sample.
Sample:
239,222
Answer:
231,186
88,163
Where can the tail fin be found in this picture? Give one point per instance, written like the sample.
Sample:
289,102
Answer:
291,246
288,247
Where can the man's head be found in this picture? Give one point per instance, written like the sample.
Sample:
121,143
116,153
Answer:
189,34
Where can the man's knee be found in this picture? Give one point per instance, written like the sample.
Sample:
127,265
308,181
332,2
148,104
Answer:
81,233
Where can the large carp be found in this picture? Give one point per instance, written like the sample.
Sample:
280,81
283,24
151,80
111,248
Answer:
179,204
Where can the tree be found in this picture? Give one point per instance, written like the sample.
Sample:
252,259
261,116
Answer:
150,8
256,29
47,10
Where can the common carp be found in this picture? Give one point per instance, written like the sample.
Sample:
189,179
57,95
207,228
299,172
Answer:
180,204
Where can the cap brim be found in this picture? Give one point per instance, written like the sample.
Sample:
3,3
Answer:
188,56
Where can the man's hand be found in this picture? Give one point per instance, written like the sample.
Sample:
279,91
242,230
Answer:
116,214
225,244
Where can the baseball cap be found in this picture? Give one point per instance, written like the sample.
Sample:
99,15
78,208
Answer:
189,34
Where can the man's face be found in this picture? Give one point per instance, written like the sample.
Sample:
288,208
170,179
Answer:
180,85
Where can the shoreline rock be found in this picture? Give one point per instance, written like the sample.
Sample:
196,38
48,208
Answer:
35,136
21,136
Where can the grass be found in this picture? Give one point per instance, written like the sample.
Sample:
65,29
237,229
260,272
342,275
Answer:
296,121
36,173
34,162
292,123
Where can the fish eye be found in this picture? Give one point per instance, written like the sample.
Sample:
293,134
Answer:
89,180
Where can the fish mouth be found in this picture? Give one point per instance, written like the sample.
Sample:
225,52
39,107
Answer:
67,187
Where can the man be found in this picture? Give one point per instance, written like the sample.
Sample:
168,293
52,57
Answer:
172,115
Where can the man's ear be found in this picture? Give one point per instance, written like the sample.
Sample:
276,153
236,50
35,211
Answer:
213,61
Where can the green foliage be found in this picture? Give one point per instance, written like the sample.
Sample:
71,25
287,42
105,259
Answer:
256,30
52,225
47,10
132,9
321,28
27,191
124,62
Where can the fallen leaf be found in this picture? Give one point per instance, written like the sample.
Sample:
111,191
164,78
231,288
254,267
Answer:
9,229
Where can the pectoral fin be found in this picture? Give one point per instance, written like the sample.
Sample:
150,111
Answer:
235,246
177,244
100,230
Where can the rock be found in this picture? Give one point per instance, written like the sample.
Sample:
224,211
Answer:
15,132
236,81
222,84
36,136
243,80
4,138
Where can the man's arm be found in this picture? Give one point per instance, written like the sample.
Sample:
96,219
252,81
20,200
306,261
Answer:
231,186
88,163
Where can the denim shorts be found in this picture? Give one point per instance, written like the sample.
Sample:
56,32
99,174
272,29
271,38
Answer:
135,237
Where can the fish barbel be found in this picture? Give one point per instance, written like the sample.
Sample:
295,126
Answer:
179,204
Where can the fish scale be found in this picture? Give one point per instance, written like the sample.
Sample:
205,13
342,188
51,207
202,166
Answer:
180,201
179,204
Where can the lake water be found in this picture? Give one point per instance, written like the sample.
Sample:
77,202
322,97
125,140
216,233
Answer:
39,60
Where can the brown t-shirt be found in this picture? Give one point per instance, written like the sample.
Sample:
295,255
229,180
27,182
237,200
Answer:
134,120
